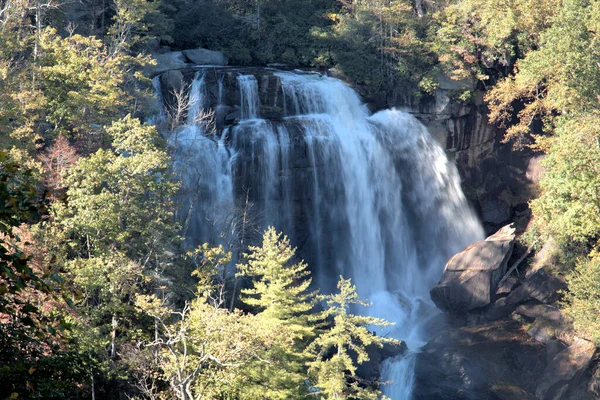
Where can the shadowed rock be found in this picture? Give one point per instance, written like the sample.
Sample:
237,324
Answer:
205,57
492,361
565,368
470,279
540,286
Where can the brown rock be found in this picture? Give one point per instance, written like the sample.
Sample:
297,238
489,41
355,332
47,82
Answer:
540,286
471,277
564,369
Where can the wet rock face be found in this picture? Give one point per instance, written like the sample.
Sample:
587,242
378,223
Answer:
222,92
498,179
470,279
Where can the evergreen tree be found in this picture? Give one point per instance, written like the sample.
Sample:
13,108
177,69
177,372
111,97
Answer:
281,296
333,370
204,348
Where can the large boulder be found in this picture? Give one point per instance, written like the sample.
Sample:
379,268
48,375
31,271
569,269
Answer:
564,369
471,277
205,57
166,62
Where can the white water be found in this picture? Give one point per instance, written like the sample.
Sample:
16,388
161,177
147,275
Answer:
372,197
205,168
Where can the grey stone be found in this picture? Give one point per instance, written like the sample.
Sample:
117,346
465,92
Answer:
544,311
205,57
540,286
508,285
564,369
539,332
495,211
471,277
446,83
231,117
165,62
503,391
371,370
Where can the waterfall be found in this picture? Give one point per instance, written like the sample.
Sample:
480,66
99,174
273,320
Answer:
204,165
196,99
250,102
371,197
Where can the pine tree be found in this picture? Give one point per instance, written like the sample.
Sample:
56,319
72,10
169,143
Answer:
333,370
280,293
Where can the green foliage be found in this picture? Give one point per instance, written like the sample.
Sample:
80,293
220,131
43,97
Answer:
83,84
582,301
568,208
473,38
121,235
333,370
28,333
281,297
204,347
382,44
253,33
16,274
559,76
122,199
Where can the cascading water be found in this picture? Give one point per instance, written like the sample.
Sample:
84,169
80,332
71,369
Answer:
371,197
205,168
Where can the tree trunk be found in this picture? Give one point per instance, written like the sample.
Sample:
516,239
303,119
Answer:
419,8
93,389
113,337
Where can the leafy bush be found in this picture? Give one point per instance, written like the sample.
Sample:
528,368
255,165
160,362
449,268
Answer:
582,302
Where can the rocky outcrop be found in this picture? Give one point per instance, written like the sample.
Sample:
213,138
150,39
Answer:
564,369
186,59
476,362
519,346
371,370
498,178
471,277
540,286
205,57
173,60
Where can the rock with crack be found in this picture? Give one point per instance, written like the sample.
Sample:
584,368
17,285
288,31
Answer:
470,279
540,286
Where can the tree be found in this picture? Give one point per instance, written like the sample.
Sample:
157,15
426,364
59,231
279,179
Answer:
204,347
122,236
56,161
479,39
121,199
568,208
582,300
281,297
333,370
29,326
560,76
